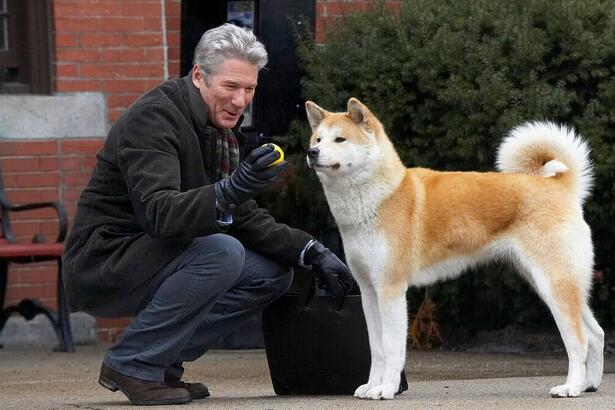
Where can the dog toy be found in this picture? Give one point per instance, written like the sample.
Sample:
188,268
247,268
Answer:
276,148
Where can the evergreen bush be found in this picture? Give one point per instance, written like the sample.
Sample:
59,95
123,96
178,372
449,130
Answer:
448,79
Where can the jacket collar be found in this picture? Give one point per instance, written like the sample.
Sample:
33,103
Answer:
199,112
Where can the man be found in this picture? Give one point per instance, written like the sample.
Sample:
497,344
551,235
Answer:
167,230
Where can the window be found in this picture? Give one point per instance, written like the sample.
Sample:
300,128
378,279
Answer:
25,39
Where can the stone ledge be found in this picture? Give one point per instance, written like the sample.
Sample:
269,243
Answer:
63,115
38,332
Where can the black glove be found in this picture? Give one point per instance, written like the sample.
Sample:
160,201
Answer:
251,177
331,273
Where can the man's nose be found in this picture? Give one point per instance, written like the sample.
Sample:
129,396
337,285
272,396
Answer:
240,98
313,152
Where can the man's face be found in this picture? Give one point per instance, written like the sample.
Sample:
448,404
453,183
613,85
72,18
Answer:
229,91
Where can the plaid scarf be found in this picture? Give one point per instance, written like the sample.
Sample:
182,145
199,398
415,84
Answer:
227,153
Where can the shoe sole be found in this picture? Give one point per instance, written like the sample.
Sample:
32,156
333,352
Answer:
110,385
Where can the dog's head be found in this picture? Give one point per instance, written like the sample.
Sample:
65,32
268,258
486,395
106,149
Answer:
343,143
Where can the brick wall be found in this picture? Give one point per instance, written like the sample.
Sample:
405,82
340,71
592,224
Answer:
118,47
115,46
328,11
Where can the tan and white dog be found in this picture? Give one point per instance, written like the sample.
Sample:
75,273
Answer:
406,227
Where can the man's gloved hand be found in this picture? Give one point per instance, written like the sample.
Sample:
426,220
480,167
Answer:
251,177
331,273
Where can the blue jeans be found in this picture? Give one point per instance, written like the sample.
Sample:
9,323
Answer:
211,288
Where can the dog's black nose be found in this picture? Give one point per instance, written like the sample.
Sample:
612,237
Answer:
313,152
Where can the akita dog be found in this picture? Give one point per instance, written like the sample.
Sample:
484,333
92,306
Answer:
406,227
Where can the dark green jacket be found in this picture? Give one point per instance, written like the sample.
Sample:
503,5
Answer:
149,197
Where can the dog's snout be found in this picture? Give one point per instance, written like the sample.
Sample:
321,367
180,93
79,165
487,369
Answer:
313,152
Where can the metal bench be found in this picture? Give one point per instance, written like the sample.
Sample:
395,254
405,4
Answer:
13,252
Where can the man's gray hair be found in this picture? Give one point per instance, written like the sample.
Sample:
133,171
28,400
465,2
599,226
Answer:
228,41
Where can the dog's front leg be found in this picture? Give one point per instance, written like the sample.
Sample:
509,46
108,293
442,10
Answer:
369,301
394,319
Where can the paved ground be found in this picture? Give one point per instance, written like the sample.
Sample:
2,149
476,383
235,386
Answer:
42,379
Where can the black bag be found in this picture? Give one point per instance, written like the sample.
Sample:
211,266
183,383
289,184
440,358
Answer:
317,344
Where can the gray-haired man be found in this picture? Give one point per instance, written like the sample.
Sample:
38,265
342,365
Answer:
167,230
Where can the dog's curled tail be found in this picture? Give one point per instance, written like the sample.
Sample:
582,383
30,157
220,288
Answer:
549,150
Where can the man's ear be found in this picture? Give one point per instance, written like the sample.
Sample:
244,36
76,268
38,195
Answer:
358,112
315,114
196,75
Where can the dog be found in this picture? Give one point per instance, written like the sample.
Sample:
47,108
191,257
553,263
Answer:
404,227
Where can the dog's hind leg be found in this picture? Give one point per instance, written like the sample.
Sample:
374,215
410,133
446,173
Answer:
595,352
565,299
369,301
394,319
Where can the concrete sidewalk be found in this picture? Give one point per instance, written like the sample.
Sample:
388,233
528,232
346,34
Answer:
42,379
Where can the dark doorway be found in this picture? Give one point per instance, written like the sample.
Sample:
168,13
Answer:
278,97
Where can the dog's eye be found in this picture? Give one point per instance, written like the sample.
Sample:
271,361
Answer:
317,139
340,139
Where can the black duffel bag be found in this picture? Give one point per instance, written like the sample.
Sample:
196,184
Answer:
317,344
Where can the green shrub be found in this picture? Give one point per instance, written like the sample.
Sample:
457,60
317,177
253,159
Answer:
448,79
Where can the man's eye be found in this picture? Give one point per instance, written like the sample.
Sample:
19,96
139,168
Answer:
340,139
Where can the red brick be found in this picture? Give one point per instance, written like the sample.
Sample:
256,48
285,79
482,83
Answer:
113,55
48,163
23,196
173,23
77,85
81,146
141,8
121,25
173,8
173,53
76,25
77,55
173,37
105,70
83,8
114,115
142,40
38,147
124,85
20,164
66,40
38,180
153,24
101,40
66,70
153,54
50,194
144,70
40,276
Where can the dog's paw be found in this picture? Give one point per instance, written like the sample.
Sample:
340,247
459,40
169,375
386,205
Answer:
382,391
566,390
361,391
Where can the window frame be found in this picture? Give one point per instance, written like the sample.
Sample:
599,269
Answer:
29,52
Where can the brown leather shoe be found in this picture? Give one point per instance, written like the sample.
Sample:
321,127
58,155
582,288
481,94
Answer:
142,391
196,390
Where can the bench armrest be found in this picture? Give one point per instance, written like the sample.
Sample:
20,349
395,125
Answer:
8,207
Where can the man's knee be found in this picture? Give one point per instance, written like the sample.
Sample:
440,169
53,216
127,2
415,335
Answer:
219,252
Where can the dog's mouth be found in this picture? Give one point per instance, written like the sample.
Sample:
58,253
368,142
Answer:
323,166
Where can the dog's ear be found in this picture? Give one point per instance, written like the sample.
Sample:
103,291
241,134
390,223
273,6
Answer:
315,114
358,112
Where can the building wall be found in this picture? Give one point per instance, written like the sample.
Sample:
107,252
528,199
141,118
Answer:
119,48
